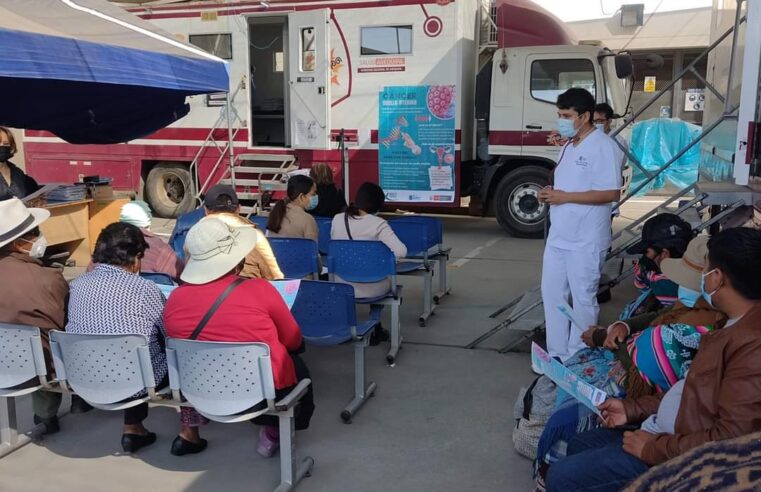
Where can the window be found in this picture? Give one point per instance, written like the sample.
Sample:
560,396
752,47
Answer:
220,45
550,78
308,41
386,40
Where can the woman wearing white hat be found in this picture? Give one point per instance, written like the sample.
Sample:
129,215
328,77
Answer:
251,311
37,295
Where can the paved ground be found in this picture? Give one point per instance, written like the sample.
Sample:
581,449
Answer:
441,420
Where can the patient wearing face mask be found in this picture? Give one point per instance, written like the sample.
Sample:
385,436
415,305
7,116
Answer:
289,217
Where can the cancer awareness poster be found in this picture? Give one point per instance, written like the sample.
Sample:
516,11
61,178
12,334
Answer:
416,143
585,393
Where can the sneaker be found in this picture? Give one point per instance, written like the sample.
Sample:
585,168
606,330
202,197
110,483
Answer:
50,426
267,447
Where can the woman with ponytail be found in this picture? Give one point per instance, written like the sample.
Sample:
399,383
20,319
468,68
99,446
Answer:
289,217
360,222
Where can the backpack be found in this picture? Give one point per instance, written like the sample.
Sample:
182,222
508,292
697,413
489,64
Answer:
532,410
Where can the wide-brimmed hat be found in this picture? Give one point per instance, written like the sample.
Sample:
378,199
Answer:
686,271
215,249
663,228
16,219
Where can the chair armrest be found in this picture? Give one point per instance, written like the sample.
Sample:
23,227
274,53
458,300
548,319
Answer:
292,398
364,328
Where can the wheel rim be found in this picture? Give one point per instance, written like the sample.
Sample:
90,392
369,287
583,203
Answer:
524,204
174,188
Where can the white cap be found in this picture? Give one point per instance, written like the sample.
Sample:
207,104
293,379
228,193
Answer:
215,249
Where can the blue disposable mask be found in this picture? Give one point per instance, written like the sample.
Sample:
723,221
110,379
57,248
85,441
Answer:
600,126
313,201
706,295
566,128
688,297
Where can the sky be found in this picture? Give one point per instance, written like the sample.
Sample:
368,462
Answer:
574,10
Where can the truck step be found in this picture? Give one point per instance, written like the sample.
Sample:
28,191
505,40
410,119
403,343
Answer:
266,157
263,170
267,184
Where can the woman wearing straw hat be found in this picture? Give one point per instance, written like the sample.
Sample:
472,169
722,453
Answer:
252,311
37,294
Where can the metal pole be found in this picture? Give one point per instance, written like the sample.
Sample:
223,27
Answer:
230,138
732,55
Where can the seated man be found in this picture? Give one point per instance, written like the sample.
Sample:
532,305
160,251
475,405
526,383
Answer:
30,293
663,236
719,399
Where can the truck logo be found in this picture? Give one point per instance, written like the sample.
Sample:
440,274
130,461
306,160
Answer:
336,64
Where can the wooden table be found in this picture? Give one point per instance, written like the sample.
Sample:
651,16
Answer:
76,225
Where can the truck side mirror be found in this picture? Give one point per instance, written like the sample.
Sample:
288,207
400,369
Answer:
624,67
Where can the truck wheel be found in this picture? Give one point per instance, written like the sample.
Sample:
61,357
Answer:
516,201
169,190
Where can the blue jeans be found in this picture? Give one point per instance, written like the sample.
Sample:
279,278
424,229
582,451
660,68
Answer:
596,461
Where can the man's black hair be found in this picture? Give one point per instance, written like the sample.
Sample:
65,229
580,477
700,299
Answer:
737,253
579,100
119,244
605,109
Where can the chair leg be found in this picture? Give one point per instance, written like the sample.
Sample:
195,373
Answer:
428,306
290,472
443,287
396,333
362,390
10,439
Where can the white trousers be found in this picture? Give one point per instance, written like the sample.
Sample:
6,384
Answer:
576,274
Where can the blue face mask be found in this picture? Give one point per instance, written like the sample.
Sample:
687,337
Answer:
688,297
566,129
313,201
706,295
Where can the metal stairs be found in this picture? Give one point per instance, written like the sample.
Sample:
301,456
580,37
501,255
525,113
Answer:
256,176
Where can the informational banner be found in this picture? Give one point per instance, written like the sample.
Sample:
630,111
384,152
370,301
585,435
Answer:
416,143
588,395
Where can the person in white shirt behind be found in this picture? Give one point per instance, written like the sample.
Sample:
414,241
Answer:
359,222
587,181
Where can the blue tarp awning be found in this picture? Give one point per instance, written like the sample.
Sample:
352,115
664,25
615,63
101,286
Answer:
92,73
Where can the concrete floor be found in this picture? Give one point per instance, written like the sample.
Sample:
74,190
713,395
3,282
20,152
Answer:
441,420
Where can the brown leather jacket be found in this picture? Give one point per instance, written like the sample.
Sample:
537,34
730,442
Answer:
722,392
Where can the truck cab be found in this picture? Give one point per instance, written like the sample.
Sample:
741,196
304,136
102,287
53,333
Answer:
516,116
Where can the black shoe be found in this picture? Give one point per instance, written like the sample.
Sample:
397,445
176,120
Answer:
51,424
379,335
181,446
78,405
132,442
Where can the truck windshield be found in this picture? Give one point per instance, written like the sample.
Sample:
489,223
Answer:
614,87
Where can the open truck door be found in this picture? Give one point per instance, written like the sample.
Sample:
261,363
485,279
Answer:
309,79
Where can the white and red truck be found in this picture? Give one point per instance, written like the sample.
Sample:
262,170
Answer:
306,71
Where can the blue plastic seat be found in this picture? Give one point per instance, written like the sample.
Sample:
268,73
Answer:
418,237
297,257
436,250
158,278
326,314
233,382
260,221
369,262
105,370
324,225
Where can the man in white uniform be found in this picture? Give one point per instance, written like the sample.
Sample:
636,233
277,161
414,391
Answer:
587,180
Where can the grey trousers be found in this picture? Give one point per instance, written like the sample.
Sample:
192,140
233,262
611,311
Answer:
46,404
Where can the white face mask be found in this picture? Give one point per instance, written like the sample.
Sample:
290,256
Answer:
600,126
38,248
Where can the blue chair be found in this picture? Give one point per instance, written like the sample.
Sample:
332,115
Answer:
260,221
417,237
158,278
436,251
326,314
324,225
233,382
297,257
105,370
369,262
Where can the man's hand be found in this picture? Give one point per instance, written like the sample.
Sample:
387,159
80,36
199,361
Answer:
617,333
552,196
634,442
613,412
588,336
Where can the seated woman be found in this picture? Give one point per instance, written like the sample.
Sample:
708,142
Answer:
289,217
651,361
113,298
13,181
331,199
252,312
360,222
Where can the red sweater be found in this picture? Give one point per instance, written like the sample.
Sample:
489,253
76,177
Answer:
253,312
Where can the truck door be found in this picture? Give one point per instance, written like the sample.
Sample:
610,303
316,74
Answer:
308,79
548,76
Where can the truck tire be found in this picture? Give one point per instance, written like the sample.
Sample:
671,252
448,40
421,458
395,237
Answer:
516,201
169,190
